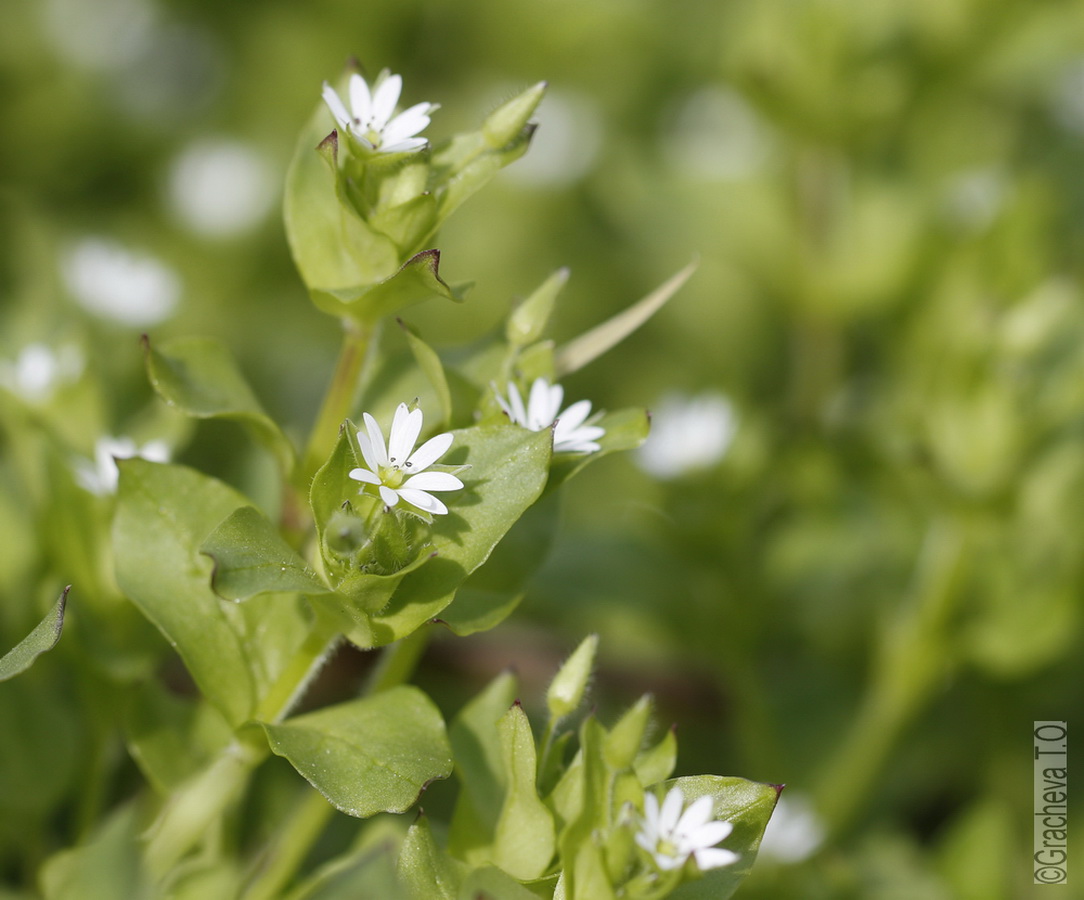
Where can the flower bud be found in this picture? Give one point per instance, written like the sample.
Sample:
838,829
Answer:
505,123
566,691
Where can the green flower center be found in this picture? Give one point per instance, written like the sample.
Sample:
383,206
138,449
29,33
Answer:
392,476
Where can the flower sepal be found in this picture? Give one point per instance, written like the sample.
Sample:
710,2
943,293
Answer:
418,279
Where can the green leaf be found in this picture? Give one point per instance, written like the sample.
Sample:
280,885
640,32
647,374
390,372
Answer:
418,279
42,753
466,165
624,740
578,352
200,377
366,874
509,468
477,746
251,557
171,738
490,594
44,637
430,364
524,841
748,805
425,870
107,867
528,321
370,755
164,513
332,246
493,884
657,763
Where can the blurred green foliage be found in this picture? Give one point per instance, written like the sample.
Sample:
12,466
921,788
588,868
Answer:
879,584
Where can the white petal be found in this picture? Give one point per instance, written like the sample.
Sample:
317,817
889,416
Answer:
408,123
519,414
429,452
543,405
384,100
335,104
709,834
422,500
361,101
696,816
651,811
376,441
389,496
714,857
404,146
405,428
573,417
364,475
367,451
434,481
671,810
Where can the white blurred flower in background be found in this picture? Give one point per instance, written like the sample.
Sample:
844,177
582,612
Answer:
688,434
973,198
220,187
1067,96
100,475
717,135
113,282
566,145
794,831
39,370
99,35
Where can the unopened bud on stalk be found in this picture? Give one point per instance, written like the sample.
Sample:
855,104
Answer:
566,691
505,123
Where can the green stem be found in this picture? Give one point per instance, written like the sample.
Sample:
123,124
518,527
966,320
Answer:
915,651
290,847
301,669
197,805
340,396
398,662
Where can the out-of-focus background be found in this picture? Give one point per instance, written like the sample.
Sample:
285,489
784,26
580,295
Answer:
850,556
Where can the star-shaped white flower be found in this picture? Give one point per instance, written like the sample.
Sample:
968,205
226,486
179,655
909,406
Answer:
397,470
573,432
370,118
672,834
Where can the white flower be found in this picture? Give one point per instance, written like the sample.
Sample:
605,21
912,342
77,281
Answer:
39,370
671,836
370,117
687,434
794,831
220,187
109,280
397,470
100,476
572,433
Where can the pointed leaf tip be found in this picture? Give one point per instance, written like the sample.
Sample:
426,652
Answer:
592,344
44,637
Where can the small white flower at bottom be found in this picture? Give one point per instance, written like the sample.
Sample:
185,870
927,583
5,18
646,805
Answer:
572,433
672,834
396,470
